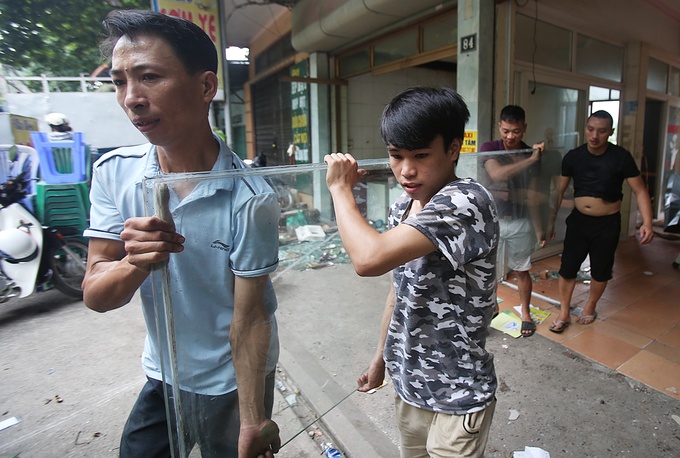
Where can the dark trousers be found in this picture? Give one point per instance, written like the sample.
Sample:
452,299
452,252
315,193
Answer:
212,422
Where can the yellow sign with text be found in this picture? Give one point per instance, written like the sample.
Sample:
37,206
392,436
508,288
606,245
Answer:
469,142
203,13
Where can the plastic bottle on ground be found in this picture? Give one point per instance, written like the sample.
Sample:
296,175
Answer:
331,452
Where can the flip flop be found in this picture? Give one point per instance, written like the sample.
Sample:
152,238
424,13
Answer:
559,326
586,319
528,328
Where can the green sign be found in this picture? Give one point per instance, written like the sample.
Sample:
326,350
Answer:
299,98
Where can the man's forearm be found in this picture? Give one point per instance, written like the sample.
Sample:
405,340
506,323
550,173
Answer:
557,203
645,205
250,335
386,319
250,351
111,284
375,375
499,172
558,195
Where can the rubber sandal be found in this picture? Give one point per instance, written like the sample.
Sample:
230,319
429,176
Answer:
528,328
559,326
588,318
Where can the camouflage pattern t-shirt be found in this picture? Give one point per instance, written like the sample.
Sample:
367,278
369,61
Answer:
434,350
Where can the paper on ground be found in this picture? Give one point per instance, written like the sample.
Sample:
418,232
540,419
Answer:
537,315
509,323
531,452
9,422
310,233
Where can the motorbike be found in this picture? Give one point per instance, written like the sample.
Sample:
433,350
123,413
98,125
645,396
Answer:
280,187
33,256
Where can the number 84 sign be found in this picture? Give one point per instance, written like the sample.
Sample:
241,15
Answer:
468,43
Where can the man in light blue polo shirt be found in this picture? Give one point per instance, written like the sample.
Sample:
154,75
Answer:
164,71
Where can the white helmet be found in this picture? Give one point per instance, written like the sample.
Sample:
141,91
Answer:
56,119
17,246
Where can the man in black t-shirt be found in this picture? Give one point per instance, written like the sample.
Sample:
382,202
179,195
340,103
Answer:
598,169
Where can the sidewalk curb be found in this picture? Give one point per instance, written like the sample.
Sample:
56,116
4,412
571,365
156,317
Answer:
352,432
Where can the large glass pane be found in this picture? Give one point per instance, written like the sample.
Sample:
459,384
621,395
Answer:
599,93
396,47
314,278
542,43
552,116
674,83
611,107
439,34
313,272
602,98
600,59
657,76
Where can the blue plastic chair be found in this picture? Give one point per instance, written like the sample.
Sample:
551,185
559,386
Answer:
61,161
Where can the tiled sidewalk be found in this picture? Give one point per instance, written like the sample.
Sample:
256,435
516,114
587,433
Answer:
637,332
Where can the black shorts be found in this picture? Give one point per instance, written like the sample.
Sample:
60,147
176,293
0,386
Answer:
597,236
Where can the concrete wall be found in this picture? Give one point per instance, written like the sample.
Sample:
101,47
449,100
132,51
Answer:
96,114
367,95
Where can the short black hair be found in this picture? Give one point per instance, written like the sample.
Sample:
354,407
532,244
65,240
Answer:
192,46
603,115
414,118
513,114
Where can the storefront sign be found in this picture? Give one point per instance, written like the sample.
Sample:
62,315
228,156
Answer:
203,13
299,99
469,142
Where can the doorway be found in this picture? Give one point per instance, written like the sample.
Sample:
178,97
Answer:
651,145
554,115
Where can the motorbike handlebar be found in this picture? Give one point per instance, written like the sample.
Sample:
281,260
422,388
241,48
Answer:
14,189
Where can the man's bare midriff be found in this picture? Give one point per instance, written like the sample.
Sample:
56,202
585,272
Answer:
594,206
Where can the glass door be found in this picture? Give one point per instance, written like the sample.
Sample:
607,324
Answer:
669,186
556,115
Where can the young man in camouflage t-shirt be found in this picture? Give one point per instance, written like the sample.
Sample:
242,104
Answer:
441,248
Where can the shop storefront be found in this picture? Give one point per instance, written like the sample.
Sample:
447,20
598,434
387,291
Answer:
558,60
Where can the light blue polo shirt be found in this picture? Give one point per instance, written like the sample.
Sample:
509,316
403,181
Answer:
231,228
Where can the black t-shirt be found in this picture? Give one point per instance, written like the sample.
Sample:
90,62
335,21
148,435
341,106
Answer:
599,176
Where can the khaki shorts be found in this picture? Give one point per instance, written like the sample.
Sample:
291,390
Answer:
426,434
517,242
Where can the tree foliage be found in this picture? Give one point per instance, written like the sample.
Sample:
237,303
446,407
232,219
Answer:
56,37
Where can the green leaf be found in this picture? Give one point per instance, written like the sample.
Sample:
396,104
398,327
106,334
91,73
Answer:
58,38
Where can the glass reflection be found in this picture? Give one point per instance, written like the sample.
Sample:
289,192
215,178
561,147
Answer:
322,303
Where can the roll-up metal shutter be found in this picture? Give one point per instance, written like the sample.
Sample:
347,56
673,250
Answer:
273,123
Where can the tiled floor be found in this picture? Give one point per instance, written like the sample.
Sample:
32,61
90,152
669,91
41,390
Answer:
637,332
